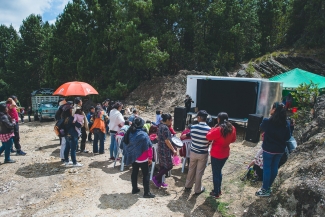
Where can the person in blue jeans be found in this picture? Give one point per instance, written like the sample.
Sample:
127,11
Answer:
71,136
98,128
115,124
276,133
6,132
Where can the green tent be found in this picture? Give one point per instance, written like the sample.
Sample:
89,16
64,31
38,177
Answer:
292,79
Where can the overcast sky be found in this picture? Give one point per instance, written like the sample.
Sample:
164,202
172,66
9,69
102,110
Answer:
15,11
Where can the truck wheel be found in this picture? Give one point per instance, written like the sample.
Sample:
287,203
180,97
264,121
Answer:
36,117
40,118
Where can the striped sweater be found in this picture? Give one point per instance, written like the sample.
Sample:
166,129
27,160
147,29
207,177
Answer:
198,134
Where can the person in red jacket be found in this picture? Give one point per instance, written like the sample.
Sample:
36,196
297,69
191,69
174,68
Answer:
222,135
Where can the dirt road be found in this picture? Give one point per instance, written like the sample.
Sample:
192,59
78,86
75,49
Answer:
39,185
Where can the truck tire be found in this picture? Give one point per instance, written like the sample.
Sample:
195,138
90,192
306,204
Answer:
36,117
40,118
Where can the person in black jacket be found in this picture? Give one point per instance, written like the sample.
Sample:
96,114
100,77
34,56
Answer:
188,102
276,133
6,132
71,138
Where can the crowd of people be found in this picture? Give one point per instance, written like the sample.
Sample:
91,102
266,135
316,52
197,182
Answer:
140,135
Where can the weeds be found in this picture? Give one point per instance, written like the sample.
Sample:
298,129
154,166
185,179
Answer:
219,206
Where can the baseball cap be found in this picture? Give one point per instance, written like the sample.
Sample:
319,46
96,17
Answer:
202,113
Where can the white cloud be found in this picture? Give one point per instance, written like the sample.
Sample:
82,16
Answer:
15,11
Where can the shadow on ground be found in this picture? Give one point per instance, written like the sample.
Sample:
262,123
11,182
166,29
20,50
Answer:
41,169
117,201
106,166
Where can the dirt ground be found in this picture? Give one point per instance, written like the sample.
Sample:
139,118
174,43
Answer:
39,185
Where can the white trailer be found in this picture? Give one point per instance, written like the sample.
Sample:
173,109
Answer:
267,92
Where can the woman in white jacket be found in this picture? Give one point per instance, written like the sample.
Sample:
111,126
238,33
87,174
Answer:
115,124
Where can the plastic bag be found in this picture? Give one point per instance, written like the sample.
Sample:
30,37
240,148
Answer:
176,160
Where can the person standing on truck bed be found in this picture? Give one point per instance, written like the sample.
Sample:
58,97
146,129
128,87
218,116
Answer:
12,111
188,102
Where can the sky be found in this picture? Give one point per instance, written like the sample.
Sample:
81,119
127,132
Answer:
15,11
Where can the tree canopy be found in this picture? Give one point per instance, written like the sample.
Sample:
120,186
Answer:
114,45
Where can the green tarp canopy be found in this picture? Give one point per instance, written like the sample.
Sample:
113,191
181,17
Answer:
292,79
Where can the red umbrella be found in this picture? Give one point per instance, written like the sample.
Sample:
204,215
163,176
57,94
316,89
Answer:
75,88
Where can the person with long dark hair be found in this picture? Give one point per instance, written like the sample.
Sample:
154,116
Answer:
276,133
138,152
7,125
115,124
165,150
84,126
222,135
71,137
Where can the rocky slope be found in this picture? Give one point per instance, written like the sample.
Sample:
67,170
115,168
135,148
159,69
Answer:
300,186
271,65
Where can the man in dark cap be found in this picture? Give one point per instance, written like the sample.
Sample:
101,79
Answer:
199,153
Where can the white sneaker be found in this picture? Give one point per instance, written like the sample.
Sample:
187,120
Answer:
68,163
77,165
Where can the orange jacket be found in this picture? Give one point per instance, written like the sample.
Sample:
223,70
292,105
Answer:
99,123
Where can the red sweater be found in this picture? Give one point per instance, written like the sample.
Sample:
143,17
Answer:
220,147
172,131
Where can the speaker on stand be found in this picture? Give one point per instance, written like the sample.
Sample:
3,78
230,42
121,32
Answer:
253,128
179,118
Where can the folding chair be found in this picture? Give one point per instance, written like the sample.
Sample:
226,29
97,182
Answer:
119,151
188,143
155,160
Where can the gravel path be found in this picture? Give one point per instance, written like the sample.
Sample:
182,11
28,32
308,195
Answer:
39,185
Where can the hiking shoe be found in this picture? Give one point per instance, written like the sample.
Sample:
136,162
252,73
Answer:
78,165
149,195
85,151
188,189
202,190
10,161
263,193
136,191
68,163
214,195
155,182
164,185
20,152
112,158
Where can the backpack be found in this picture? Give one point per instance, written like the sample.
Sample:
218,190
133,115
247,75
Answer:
58,127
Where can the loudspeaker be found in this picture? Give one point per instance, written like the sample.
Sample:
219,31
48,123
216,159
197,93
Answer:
253,128
179,118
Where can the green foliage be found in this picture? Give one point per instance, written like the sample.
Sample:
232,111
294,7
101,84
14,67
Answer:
250,69
114,45
221,207
306,95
